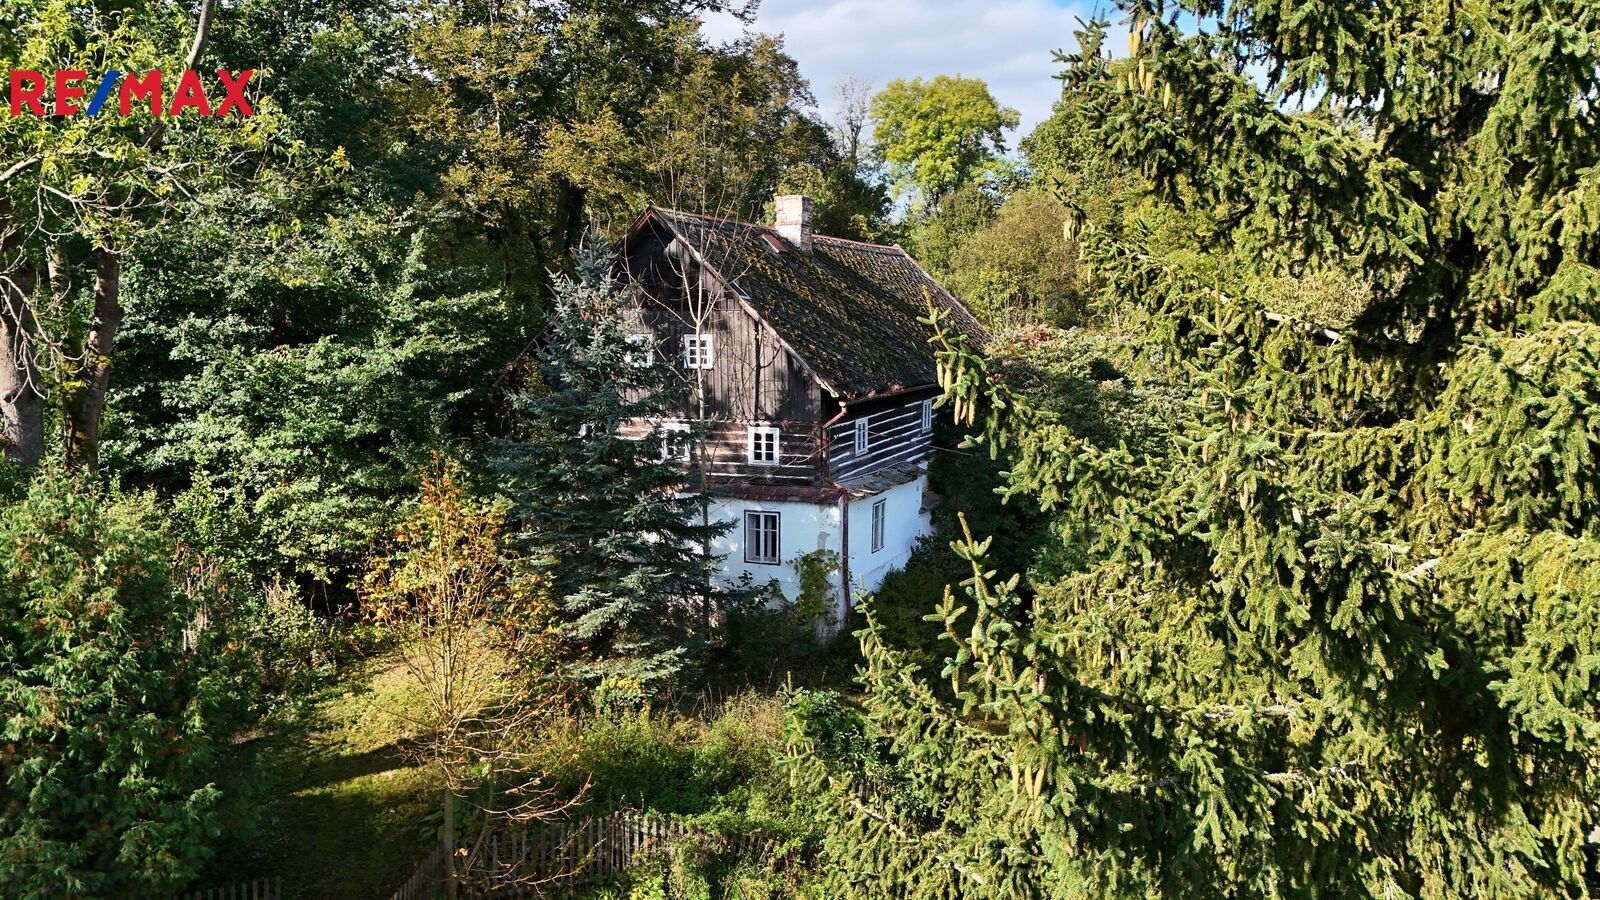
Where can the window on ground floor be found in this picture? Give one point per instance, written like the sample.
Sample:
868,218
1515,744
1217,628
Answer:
675,441
761,538
879,522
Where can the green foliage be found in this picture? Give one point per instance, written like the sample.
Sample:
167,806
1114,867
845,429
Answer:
301,394
1328,627
115,700
601,513
718,766
939,234
1022,268
901,602
769,638
939,135
729,129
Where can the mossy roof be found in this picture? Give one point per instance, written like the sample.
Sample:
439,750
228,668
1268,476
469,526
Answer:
850,310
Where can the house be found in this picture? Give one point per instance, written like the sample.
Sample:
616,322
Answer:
813,376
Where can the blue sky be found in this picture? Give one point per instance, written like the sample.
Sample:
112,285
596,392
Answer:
1007,43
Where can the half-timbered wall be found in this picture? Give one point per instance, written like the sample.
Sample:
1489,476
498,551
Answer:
894,435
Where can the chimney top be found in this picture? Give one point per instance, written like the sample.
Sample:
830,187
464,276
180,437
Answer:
793,220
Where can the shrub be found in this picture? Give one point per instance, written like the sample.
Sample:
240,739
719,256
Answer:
114,701
771,638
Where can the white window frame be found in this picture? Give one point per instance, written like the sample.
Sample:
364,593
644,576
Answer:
760,523
880,523
863,434
699,350
927,416
675,449
641,340
758,437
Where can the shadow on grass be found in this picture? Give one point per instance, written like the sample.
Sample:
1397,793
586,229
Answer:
328,800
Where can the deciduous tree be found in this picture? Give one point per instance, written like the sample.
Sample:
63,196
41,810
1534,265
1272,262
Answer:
940,134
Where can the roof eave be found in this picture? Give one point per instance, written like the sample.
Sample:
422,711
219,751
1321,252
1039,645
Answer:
744,300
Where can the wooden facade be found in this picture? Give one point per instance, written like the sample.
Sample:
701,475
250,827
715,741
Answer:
756,379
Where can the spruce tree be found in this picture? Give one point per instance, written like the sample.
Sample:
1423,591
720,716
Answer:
602,512
1338,636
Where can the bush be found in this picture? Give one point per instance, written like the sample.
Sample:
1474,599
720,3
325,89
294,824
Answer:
293,649
770,638
901,603
720,774
289,648
670,763
114,700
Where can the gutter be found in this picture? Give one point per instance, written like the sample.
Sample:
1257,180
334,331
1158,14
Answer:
844,512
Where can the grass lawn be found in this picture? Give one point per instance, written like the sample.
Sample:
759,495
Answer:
342,814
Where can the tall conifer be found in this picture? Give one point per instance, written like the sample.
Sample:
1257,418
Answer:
604,514
1340,636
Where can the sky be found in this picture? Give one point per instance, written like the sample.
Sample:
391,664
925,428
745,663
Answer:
1007,43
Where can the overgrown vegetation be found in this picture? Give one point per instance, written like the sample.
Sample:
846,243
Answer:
1266,562
116,699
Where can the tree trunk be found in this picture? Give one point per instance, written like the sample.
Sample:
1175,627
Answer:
86,401
21,393
450,889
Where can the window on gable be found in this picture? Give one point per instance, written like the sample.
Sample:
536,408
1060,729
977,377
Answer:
879,516
927,416
675,442
761,531
762,444
641,351
863,436
697,351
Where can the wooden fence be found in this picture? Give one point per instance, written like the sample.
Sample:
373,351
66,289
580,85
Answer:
259,889
557,857
427,882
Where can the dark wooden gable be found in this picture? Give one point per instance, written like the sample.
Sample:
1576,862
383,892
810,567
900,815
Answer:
755,377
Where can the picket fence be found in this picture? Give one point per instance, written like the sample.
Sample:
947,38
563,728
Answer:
259,889
556,857
427,882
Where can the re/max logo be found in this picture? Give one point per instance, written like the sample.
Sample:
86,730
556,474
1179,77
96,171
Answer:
133,90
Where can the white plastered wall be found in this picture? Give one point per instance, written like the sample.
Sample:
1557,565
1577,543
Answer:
807,527
904,524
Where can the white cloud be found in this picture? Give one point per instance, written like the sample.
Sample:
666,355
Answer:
1007,43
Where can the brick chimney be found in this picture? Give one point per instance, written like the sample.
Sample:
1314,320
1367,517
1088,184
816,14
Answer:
793,221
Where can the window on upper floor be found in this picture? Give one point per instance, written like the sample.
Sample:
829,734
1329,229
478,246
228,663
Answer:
880,515
641,351
927,416
698,351
863,435
762,444
761,531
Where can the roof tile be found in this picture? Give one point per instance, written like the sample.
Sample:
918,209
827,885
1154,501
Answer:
850,309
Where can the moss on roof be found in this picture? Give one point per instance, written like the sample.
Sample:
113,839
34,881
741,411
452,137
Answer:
851,310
